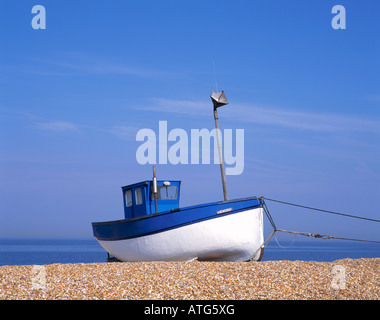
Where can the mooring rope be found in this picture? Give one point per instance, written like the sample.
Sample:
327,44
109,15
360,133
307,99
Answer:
285,247
307,234
322,210
324,236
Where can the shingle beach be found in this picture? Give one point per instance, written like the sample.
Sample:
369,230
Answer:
342,279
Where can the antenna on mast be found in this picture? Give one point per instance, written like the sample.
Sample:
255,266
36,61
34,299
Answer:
216,83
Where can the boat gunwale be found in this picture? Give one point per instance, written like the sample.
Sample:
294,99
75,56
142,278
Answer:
176,210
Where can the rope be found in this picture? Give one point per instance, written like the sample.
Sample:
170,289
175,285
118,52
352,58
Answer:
324,236
285,247
316,209
373,241
307,234
266,210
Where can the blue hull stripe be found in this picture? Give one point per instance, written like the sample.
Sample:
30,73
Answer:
155,223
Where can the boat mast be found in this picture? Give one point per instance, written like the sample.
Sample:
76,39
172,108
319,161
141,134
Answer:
219,99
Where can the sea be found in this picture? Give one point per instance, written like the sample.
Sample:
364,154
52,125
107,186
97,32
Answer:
49,251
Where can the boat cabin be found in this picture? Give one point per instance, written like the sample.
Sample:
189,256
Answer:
139,198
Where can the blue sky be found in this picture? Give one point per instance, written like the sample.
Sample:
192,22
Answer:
73,96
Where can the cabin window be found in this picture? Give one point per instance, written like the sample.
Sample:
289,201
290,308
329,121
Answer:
166,193
128,198
138,196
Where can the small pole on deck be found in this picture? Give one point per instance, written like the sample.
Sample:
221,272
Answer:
155,188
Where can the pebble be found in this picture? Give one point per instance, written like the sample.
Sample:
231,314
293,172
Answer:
354,279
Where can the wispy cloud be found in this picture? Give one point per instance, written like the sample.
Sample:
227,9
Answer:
374,97
272,167
35,122
185,107
268,115
102,68
46,124
77,63
322,122
56,126
124,132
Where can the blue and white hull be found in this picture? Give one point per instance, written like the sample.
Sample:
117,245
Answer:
222,231
234,237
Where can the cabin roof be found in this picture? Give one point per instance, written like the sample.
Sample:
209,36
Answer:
146,182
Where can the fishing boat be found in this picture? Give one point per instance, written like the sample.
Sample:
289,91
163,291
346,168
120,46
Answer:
229,230
156,228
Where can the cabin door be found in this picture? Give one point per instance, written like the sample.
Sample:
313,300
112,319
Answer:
139,203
